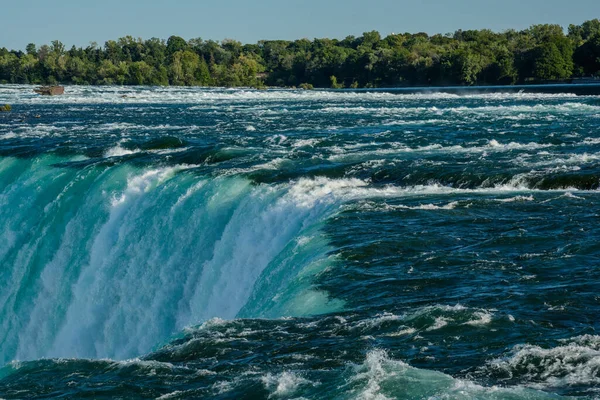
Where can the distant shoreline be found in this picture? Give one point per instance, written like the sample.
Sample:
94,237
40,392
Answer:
543,53
580,89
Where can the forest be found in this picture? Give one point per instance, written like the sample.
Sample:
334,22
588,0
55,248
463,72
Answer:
541,54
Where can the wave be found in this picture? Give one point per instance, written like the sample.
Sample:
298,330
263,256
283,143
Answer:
219,344
573,363
161,145
381,378
426,319
378,376
23,94
349,152
495,111
65,130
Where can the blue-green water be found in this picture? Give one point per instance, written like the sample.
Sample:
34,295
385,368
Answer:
208,243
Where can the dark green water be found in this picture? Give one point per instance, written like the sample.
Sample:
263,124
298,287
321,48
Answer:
209,243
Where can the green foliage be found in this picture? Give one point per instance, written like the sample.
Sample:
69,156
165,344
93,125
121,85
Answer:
584,32
551,64
184,67
473,57
31,49
306,86
175,44
334,83
587,56
140,73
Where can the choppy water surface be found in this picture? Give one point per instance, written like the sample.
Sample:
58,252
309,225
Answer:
208,243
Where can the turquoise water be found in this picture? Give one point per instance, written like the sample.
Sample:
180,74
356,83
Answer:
212,243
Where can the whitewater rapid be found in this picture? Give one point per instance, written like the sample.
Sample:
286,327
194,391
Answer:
222,243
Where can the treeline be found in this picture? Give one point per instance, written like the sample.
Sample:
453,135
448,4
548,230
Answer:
541,53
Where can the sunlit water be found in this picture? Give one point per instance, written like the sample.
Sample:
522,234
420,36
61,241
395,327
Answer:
211,243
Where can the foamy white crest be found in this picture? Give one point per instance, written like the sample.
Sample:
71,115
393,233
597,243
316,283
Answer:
403,332
308,192
482,318
449,206
8,135
381,377
497,112
353,151
377,321
119,151
575,363
306,142
23,94
143,183
516,198
439,323
284,384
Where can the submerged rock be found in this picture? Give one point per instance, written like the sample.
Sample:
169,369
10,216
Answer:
5,108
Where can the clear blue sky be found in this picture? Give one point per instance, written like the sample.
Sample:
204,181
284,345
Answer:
80,22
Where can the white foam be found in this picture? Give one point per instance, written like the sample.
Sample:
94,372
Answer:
440,322
516,199
449,206
403,332
350,151
482,318
497,112
308,192
381,378
572,196
574,363
23,94
306,142
172,395
284,384
145,182
118,151
8,135
377,321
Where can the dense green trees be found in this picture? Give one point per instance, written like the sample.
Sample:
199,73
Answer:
541,53
587,56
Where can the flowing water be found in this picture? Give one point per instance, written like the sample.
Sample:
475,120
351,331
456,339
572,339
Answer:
228,244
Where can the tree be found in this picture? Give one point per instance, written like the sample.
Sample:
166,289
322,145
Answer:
334,83
185,68
502,70
175,44
542,52
140,73
31,49
587,56
57,47
550,64
585,31
76,70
